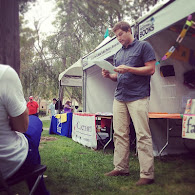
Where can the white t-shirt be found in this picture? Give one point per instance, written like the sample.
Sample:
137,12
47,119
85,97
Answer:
52,108
13,145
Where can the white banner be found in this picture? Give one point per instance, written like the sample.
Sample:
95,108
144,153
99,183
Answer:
188,126
164,18
72,81
84,129
146,28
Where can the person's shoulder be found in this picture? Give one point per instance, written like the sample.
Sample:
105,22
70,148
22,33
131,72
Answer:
50,106
10,79
144,43
7,72
3,68
141,42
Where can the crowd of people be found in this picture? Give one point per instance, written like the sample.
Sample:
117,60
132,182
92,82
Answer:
33,107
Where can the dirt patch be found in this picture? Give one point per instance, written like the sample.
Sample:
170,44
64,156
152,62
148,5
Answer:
45,139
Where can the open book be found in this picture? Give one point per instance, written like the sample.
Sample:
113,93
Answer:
105,65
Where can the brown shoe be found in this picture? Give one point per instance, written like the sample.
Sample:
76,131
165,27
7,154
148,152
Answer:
116,173
144,181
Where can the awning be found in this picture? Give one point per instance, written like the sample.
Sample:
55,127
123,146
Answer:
72,76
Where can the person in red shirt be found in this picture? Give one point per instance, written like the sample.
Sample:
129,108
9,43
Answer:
32,107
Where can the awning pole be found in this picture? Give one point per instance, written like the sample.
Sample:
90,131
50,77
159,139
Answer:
59,97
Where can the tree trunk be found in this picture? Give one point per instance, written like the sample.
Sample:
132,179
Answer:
9,34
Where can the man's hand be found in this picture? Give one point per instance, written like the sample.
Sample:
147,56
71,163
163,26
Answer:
122,69
105,73
148,69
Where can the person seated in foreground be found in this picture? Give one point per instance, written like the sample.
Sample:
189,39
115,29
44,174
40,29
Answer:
19,133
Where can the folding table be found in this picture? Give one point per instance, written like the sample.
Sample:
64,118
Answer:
109,130
61,128
153,115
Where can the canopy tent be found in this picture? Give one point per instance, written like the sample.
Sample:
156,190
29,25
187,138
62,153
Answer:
72,76
161,28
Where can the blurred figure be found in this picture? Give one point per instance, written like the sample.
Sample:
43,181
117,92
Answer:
67,107
58,107
52,108
76,109
32,107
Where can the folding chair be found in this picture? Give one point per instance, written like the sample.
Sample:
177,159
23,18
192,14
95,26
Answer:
37,171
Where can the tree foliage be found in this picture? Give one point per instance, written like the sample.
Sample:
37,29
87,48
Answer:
39,70
80,27
24,5
138,7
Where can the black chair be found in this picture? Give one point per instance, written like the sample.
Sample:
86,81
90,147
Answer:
37,171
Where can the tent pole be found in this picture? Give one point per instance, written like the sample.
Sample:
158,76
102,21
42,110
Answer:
84,91
59,97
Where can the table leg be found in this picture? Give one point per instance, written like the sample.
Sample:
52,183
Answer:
100,139
167,142
109,136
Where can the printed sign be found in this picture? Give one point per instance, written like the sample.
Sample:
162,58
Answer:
59,126
146,28
188,126
84,129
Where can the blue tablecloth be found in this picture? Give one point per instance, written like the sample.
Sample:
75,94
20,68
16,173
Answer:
64,129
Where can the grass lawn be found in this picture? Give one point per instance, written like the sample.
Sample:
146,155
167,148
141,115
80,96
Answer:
77,170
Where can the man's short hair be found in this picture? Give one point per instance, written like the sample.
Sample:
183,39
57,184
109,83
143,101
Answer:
125,26
54,99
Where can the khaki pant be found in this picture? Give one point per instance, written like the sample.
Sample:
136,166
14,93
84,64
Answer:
138,111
